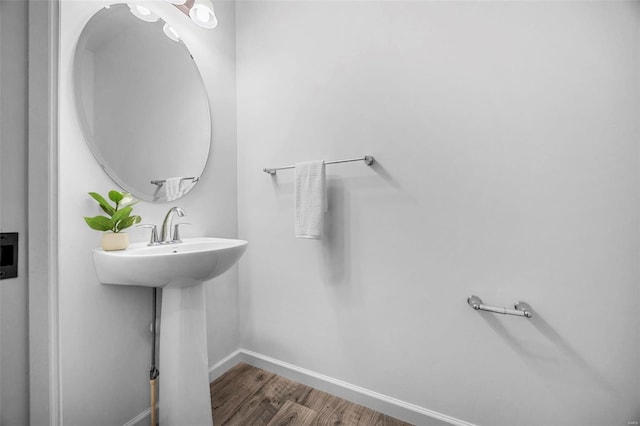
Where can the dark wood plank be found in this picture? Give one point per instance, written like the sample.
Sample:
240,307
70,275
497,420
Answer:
317,400
390,421
271,398
292,414
229,393
247,395
230,376
337,411
248,406
223,387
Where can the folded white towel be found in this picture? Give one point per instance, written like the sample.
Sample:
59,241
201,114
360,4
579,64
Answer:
310,199
173,188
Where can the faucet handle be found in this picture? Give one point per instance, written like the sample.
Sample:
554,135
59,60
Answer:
176,232
154,233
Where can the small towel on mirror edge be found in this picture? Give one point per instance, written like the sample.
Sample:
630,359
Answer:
310,199
173,188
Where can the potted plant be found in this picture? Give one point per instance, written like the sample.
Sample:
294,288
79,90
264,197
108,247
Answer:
119,219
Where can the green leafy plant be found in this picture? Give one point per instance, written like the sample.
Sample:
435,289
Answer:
120,217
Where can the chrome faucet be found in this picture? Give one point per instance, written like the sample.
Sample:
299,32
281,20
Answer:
166,237
165,234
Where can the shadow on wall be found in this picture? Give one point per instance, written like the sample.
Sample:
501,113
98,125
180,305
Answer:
558,362
563,346
336,242
384,174
336,248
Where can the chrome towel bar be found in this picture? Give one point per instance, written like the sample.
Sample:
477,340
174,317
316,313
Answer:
522,309
368,160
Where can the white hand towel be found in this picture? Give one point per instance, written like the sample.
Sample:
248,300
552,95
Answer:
310,199
173,188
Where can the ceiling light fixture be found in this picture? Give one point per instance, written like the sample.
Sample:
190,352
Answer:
170,32
143,13
202,14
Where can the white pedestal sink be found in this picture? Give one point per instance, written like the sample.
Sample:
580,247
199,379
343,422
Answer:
180,269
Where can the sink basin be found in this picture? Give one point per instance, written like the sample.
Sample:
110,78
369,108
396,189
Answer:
180,269
176,265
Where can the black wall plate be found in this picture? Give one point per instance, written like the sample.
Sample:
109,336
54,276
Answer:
8,255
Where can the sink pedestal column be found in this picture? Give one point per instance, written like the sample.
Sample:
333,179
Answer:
184,363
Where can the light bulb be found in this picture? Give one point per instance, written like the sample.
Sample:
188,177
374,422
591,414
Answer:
170,32
202,14
143,13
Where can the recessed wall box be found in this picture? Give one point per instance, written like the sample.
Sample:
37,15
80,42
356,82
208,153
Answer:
8,255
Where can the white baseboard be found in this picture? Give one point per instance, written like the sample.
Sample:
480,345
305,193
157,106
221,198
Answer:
225,364
376,401
138,420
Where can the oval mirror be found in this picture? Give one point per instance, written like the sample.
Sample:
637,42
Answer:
141,103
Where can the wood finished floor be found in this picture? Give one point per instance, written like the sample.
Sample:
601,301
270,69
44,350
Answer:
247,395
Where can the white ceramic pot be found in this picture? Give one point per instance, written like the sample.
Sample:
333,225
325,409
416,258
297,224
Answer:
115,241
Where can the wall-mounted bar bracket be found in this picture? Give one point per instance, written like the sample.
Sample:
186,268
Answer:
521,309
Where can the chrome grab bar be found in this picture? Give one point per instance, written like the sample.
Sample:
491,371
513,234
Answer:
522,309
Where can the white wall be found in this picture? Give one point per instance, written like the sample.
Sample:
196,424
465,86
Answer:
14,358
104,338
507,138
